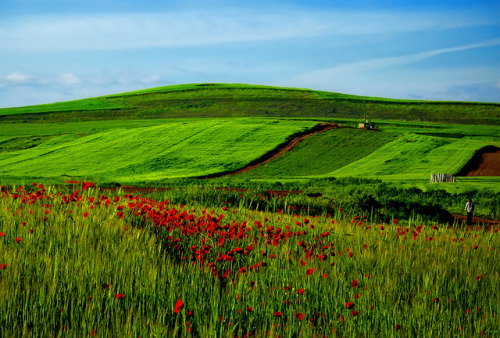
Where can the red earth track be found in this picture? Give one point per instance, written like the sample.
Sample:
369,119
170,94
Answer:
286,147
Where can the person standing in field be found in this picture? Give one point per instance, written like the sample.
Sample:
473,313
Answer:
469,208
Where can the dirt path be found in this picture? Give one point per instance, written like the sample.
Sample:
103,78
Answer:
485,223
279,150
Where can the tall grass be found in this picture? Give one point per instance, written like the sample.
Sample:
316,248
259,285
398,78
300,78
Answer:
86,264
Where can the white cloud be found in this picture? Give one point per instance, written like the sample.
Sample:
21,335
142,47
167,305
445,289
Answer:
17,77
194,28
68,79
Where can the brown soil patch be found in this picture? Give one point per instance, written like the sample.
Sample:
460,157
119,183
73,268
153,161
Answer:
485,162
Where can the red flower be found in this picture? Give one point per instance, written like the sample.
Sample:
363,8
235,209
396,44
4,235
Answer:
278,314
178,306
478,277
249,309
349,305
435,300
301,291
354,313
3,266
299,316
354,283
1,234
310,271
243,270
398,327
395,221
190,313
120,296
18,239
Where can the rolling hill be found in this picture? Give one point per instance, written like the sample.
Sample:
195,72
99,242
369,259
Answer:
199,130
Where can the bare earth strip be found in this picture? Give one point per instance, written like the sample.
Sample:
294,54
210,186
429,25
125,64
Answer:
279,151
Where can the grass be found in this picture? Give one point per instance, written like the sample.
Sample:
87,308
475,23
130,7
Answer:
231,100
129,138
413,157
88,263
330,150
142,154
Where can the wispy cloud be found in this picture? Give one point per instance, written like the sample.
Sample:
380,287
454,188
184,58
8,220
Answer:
379,76
194,28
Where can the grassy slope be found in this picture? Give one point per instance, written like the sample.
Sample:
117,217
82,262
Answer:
228,100
151,153
119,147
322,153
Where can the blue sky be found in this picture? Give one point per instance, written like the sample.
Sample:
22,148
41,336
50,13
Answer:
57,50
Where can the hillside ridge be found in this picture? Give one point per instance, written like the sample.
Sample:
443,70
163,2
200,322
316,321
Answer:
239,100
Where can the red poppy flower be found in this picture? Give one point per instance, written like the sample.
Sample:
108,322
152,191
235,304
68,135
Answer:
243,270
301,291
3,266
478,277
349,305
85,214
278,314
299,316
1,234
398,327
178,306
18,239
120,296
354,283
354,313
310,271
249,309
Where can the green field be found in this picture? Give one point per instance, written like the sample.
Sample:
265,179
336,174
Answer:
229,100
154,135
86,263
144,154
343,235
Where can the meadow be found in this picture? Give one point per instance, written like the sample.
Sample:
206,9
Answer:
343,235
82,262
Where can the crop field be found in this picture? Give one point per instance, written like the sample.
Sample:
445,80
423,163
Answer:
226,210
82,262
142,154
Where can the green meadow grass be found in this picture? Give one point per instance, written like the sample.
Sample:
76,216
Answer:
322,153
413,157
124,138
78,269
142,154
239,100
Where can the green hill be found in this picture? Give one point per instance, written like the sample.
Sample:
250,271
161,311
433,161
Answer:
148,136
230,100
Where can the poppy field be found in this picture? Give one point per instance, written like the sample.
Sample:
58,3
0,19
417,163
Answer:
82,261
